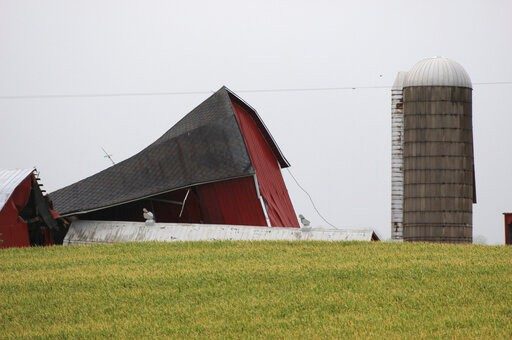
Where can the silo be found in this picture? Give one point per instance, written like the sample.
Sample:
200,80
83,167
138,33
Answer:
439,186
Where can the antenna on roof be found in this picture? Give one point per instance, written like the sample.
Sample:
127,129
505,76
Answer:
108,155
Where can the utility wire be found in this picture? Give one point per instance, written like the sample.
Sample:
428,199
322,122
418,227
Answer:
93,95
309,89
494,83
310,198
171,93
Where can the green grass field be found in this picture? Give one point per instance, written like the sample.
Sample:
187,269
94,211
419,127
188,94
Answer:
260,289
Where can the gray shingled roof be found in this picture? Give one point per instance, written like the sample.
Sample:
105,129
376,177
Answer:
205,146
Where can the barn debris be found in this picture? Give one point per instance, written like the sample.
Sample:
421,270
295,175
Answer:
26,213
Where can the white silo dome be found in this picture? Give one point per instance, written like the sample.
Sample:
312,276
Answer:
399,81
437,71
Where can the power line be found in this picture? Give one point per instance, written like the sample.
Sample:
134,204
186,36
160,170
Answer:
93,95
307,89
310,198
135,94
494,83
174,93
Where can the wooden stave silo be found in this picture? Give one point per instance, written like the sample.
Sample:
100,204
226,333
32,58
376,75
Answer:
439,186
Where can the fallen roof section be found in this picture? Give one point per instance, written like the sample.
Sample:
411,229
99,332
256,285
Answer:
205,146
84,232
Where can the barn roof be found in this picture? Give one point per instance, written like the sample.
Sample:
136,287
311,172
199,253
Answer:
204,146
9,181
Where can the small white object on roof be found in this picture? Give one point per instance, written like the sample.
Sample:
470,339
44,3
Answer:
305,222
148,216
82,232
9,181
437,71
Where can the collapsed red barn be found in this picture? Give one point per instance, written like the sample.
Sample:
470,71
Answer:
26,215
217,165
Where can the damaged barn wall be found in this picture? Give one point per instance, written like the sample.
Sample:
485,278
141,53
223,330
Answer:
268,171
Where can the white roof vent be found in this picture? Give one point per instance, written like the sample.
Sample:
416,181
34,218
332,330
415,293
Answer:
437,71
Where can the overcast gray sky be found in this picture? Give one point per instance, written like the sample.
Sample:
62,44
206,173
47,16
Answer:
338,142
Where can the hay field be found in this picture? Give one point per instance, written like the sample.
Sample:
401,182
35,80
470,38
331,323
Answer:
257,290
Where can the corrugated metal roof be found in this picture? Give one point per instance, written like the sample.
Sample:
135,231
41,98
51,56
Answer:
438,71
9,180
115,232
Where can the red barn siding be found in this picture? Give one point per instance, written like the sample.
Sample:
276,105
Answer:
13,230
508,228
228,202
231,202
268,171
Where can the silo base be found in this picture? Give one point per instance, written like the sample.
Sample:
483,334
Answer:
439,233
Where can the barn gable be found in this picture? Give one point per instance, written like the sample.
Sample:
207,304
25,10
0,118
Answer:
203,150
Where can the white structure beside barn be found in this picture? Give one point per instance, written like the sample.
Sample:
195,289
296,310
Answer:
397,157
84,232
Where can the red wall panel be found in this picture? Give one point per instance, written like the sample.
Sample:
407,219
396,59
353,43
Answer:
270,180
508,228
231,202
13,230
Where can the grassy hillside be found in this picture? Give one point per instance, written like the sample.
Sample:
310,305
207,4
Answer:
265,289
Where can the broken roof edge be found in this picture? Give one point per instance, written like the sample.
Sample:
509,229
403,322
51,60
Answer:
10,179
86,211
182,119
283,162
